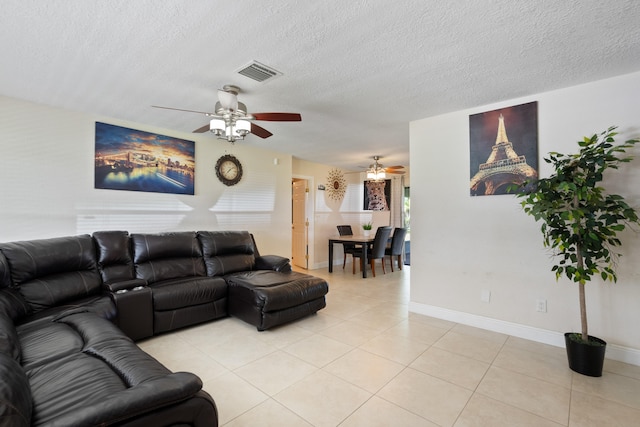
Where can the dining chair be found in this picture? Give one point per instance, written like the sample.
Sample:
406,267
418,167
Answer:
348,248
376,251
397,246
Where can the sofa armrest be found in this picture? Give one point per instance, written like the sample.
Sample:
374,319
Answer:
125,285
273,262
16,404
136,401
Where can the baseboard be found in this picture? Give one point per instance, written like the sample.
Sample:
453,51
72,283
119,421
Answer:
614,352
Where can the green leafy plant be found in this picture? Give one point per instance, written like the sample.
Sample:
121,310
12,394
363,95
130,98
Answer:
580,221
367,226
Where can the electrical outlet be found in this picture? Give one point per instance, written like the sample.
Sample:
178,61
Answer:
541,305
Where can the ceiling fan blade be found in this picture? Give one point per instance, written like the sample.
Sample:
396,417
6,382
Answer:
181,109
278,117
260,131
228,100
395,167
395,172
203,129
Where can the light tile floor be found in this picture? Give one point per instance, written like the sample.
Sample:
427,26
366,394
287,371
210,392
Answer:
365,361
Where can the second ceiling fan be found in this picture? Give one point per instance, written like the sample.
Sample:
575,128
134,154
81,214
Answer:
231,121
377,171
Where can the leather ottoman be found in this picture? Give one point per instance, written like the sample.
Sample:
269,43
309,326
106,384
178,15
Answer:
266,298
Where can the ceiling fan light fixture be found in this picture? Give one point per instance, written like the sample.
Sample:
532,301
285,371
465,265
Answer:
217,127
376,171
230,130
242,128
376,175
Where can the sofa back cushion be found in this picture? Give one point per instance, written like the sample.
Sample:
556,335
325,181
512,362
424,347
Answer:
167,256
49,272
227,251
115,261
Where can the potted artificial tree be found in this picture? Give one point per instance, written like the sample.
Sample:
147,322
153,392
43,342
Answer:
580,222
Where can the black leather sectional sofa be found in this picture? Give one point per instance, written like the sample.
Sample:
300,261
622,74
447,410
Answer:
72,307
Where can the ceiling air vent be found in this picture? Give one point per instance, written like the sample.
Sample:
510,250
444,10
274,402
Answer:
259,72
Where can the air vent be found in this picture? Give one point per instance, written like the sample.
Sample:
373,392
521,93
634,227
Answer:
259,72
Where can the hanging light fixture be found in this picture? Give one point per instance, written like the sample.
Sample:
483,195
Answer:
376,171
231,123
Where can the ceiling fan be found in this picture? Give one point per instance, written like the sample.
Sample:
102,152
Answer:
231,121
377,171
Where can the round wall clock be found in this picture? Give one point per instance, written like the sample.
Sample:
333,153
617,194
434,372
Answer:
336,184
228,170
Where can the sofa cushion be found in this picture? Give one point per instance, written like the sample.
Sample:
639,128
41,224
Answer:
102,305
15,394
166,256
51,271
115,260
272,291
186,292
227,252
103,376
43,342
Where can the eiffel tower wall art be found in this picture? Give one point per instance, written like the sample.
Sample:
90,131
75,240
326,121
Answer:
503,148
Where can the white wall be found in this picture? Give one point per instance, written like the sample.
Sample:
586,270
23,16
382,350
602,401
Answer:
462,245
47,184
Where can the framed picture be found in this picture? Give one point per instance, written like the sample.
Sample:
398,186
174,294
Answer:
503,147
377,195
129,159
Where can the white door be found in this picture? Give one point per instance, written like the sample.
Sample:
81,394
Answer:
299,236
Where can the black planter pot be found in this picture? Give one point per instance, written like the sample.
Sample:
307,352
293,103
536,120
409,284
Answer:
585,359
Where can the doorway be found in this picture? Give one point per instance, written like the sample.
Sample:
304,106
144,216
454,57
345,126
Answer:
300,223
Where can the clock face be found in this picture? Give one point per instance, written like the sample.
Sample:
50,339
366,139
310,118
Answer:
228,170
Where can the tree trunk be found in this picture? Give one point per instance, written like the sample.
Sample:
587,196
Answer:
583,313
583,300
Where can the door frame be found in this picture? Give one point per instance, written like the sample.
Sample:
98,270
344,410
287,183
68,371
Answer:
310,213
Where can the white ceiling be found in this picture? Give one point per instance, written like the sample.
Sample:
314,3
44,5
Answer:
357,71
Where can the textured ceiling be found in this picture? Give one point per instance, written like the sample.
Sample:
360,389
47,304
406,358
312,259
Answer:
357,71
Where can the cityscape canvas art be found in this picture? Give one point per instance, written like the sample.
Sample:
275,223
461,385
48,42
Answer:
134,160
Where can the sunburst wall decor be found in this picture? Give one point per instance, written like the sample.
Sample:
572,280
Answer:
336,184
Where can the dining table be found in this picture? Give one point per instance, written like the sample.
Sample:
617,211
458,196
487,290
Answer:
361,240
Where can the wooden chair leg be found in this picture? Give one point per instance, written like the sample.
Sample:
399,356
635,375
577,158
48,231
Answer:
400,261
391,262
373,267
353,261
383,270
